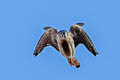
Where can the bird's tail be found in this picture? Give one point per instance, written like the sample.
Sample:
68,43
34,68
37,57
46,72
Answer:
74,61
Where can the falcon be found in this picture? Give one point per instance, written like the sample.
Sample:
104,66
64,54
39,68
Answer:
66,42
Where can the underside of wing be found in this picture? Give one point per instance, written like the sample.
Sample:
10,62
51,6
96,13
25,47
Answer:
46,40
42,43
80,36
88,43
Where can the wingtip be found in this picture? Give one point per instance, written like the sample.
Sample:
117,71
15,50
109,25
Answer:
47,27
35,54
80,24
96,54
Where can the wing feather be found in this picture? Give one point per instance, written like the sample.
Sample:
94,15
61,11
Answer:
47,39
80,36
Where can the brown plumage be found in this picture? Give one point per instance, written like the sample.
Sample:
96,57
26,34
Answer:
46,40
66,42
81,37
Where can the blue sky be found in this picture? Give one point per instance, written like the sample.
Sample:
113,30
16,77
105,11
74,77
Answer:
21,25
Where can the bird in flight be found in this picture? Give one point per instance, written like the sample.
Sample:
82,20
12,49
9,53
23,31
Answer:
66,42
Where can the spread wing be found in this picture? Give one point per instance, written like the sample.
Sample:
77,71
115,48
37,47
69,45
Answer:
47,39
80,36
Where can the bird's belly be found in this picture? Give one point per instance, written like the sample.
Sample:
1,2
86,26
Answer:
66,48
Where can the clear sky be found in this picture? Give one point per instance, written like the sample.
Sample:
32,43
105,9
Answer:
21,25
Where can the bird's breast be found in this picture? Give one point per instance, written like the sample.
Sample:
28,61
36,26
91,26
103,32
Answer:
66,47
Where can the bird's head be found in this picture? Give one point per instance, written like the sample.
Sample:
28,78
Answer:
62,34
